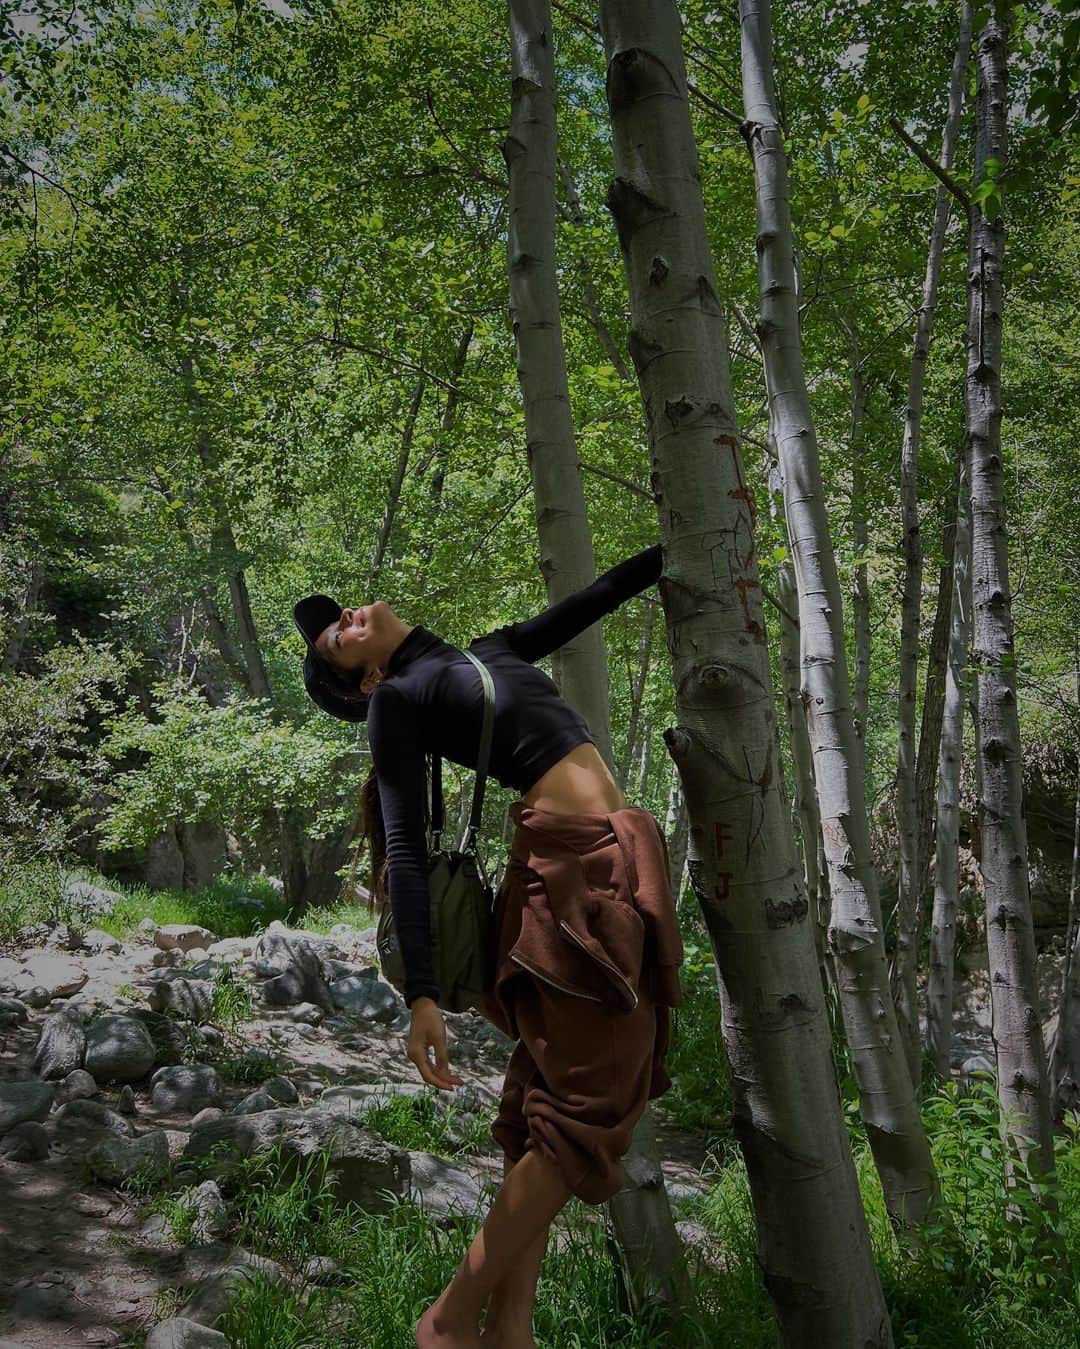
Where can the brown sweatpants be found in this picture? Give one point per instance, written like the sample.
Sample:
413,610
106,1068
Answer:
588,951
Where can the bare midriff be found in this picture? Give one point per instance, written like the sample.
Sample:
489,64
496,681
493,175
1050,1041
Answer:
581,783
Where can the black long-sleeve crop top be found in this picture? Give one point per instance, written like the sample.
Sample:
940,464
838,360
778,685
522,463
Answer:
432,699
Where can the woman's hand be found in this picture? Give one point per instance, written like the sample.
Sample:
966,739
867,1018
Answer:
428,1031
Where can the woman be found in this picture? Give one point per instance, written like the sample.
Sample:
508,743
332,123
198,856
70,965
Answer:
588,945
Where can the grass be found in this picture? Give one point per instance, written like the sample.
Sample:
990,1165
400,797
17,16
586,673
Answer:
33,892
417,1123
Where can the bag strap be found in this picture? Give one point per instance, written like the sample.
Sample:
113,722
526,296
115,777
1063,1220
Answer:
484,756
486,734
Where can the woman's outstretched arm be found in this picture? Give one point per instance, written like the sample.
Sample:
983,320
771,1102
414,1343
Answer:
537,637
398,755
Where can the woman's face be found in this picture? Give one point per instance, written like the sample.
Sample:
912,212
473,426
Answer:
358,638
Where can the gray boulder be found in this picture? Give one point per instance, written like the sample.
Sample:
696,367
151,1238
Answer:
61,1045
125,1101
218,1270
97,941
118,1049
170,1037
14,1010
193,999
211,1212
118,1161
444,1190
293,968
59,975
186,1088
182,937
90,901
79,1085
363,1164
27,1142
180,1333
22,1101
306,1014
368,998
80,1123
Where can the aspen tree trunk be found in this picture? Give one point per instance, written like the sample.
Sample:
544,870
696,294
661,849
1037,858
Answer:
1023,1083
805,802
642,1228
933,711
675,830
637,694
860,593
939,990
812,1237
905,960
1065,1056
890,1111
566,559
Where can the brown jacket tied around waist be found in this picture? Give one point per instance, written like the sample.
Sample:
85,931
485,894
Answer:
593,895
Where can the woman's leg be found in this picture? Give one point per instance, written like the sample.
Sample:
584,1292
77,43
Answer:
508,1324
530,1197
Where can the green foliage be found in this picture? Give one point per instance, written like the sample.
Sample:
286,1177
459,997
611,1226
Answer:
417,1122
233,1000
233,764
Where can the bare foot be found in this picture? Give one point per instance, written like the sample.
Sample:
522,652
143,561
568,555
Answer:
430,1336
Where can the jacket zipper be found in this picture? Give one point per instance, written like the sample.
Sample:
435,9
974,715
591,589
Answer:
606,963
554,982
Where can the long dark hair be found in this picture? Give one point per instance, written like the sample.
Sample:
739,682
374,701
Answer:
372,831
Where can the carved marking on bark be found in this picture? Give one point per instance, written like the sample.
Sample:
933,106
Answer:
783,912
722,889
722,834
658,271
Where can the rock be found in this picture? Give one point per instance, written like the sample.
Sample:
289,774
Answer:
165,959
210,1035
306,1032
193,999
204,1116
180,1333
231,949
118,1049
368,998
254,1102
27,1142
343,969
60,976
182,937
148,924
211,1212
61,1044
37,997
77,1086
282,1090
125,1101
16,1009
977,1071
444,1190
22,1101
306,1013
169,1037
118,1161
90,901
98,941
322,1270
356,1099
80,1123
362,1164
293,967
218,1270
186,1088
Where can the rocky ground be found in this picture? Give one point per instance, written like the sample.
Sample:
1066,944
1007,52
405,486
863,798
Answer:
124,1065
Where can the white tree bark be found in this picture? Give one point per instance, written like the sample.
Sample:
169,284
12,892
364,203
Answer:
1023,1082
812,1237
802,757
939,991
890,1111
905,960
566,559
676,829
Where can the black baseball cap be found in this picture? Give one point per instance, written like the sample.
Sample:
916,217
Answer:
333,690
